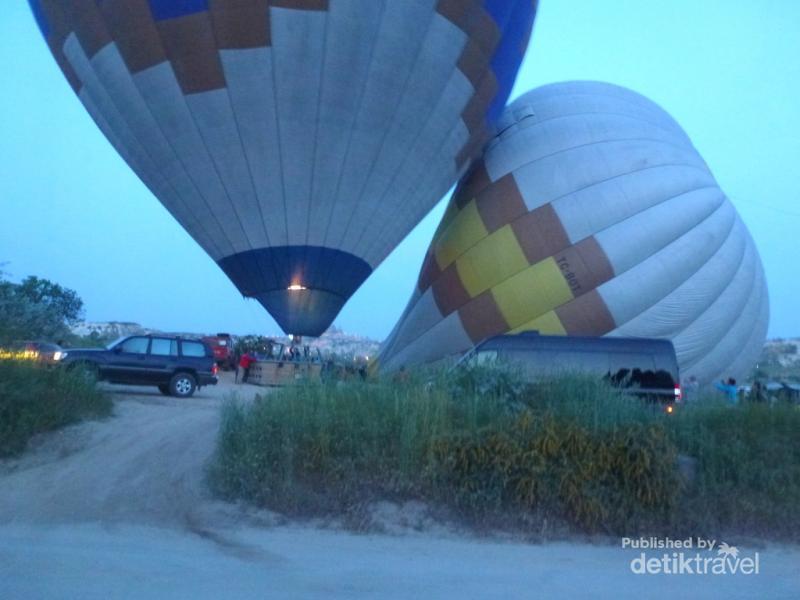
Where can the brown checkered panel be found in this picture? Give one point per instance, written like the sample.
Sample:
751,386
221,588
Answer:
585,266
500,203
240,24
448,291
192,49
586,315
482,318
131,25
540,233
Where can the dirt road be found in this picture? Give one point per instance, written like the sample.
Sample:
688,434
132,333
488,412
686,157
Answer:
118,509
144,465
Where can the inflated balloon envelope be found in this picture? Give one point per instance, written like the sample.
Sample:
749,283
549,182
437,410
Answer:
591,213
297,141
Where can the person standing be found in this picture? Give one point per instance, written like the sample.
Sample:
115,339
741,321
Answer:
757,392
730,389
244,366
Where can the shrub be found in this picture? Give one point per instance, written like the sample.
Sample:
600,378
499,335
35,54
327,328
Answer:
35,399
747,468
614,480
572,449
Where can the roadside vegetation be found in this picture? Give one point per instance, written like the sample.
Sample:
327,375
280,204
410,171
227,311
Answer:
747,471
571,454
36,309
35,399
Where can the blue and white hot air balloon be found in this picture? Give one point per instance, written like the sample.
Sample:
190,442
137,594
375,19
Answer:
297,141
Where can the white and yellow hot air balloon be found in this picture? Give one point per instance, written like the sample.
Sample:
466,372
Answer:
590,213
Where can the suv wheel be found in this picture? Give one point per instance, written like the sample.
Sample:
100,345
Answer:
164,389
182,385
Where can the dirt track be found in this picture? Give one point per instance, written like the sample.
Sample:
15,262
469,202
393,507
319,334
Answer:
144,465
118,509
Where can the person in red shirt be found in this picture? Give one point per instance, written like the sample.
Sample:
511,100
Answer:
244,366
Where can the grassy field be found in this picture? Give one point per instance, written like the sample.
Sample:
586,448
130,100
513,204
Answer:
747,468
35,399
569,455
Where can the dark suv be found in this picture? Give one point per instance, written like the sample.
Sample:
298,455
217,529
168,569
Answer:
175,365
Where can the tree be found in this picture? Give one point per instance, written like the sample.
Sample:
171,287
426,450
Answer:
36,309
64,303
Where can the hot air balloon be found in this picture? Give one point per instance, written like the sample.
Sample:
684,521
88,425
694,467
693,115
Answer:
297,141
590,213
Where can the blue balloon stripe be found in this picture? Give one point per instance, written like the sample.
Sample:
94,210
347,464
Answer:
172,9
498,10
41,19
507,58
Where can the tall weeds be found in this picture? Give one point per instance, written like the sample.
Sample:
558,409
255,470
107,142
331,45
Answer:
35,399
569,451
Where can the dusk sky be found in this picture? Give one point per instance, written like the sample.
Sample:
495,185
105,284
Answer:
73,211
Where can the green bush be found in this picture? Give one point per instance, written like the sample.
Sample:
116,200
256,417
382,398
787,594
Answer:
35,399
747,468
572,449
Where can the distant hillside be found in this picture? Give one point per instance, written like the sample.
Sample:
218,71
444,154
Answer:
344,344
108,330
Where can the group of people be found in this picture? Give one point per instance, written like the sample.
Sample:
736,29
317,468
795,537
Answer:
730,389
291,353
757,392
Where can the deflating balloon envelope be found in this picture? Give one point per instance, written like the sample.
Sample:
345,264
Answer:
297,141
591,213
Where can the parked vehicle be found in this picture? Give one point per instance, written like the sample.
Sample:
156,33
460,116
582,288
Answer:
45,353
222,347
645,367
175,365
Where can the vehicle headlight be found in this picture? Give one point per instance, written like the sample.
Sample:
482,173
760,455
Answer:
59,355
